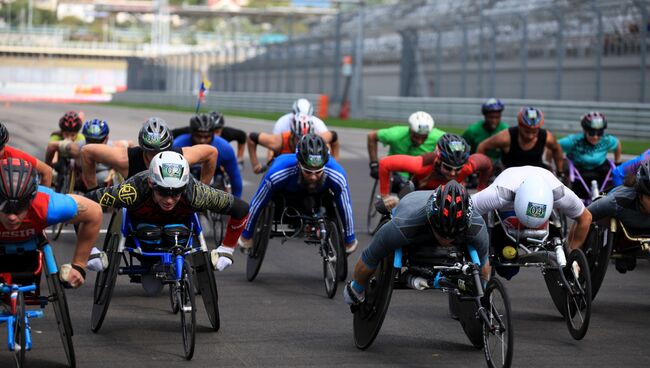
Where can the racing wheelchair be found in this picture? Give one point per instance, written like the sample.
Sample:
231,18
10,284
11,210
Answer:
484,314
586,186
21,266
64,184
398,184
314,217
567,277
168,255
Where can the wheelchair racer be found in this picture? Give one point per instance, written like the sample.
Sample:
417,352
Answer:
450,161
490,125
60,140
525,143
7,152
630,204
154,137
303,110
309,170
419,137
627,171
532,193
202,132
588,151
443,217
26,209
166,193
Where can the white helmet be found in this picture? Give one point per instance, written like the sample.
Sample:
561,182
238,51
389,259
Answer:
302,117
302,106
169,170
421,123
533,202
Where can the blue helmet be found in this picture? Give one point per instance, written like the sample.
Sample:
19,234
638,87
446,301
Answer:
95,130
492,105
530,117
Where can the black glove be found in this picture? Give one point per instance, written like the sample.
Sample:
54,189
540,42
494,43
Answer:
374,169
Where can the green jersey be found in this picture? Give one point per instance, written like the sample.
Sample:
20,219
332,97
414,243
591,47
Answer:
58,137
399,141
476,134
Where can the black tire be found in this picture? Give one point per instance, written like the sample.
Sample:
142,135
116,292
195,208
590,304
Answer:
342,264
173,302
555,289
498,337
20,337
260,242
207,286
372,216
66,187
469,321
598,248
62,313
578,300
369,316
219,223
105,280
187,302
333,253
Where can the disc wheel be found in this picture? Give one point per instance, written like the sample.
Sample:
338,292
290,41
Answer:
106,279
260,242
369,316
372,216
187,302
578,296
598,248
20,337
332,253
498,335
207,286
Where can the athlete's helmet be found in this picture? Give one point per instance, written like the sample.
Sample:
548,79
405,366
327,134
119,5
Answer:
4,135
95,130
219,120
449,209
530,117
643,178
533,202
302,117
312,152
169,172
492,105
18,185
70,122
302,106
300,128
593,120
155,136
453,150
202,123
421,123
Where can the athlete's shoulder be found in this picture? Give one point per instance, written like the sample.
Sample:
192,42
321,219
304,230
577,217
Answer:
12,152
183,140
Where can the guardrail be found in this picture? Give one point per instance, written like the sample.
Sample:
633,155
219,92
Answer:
265,102
625,120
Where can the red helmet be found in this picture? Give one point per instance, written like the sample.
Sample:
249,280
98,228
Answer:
70,122
530,117
18,185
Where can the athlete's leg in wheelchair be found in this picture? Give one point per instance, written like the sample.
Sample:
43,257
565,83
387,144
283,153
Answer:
505,251
21,269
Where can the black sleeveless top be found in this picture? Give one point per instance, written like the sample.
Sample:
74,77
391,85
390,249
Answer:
136,160
518,157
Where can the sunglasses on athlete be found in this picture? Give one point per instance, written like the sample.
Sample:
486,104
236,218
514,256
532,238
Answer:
597,132
311,171
448,167
169,192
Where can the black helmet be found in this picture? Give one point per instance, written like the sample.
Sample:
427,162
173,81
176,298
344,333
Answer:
4,135
202,123
312,151
449,209
593,120
155,136
643,178
219,120
453,150
18,185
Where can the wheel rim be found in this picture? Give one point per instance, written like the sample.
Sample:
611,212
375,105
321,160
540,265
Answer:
578,297
372,211
330,263
20,339
105,282
187,306
498,334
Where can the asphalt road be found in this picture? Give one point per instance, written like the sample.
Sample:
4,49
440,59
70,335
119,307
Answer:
284,319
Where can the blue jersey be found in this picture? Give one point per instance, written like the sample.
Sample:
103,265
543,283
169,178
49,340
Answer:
226,159
629,167
585,155
283,176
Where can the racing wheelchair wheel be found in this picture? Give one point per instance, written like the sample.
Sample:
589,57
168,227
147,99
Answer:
578,297
467,316
498,335
333,254
66,186
20,339
369,315
260,242
373,217
184,291
62,313
207,286
106,279
598,248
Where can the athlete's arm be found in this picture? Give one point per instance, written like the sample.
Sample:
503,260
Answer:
89,218
399,163
372,146
483,165
45,172
113,157
579,230
260,200
203,154
232,169
328,137
500,141
270,141
618,152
